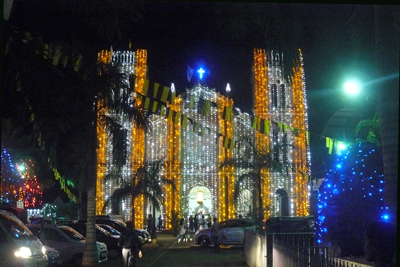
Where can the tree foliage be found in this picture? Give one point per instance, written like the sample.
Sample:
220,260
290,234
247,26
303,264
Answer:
147,181
251,162
350,197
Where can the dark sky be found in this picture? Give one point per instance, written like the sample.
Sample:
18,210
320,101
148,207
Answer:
336,41
178,34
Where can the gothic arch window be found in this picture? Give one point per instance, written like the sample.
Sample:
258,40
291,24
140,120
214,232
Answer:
244,203
283,96
283,202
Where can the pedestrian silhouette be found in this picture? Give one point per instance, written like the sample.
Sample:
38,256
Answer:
191,223
131,245
196,222
160,223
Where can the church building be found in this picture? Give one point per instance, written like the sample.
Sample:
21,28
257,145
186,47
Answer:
198,131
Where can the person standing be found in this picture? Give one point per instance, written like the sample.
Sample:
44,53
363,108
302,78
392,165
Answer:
150,224
191,223
182,230
209,221
160,222
202,222
196,222
131,245
215,232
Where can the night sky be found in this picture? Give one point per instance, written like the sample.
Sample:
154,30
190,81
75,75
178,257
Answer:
337,42
334,46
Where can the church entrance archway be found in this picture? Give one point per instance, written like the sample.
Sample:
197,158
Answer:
200,201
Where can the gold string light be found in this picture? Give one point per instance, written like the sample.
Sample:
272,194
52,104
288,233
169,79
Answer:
170,140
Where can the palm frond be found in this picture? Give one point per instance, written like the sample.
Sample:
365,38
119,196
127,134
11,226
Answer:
117,196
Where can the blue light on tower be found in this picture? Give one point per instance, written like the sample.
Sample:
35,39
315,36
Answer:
201,72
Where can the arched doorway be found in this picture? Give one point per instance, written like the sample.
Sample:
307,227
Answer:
245,203
283,202
200,201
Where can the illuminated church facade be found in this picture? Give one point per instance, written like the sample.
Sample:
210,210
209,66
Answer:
196,131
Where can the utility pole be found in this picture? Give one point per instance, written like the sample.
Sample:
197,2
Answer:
387,61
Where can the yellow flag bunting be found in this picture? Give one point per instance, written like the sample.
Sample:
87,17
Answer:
154,91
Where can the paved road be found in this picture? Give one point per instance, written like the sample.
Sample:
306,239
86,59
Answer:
168,252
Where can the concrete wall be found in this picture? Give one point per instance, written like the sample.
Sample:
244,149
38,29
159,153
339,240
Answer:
255,249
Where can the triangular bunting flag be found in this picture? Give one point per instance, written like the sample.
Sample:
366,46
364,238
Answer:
329,145
196,126
163,110
154,108
155,89
226,142
145,87
177,117
170,114
191,101
206,109
184,120
227,113
265,128
165,93
146,103
280,125
254,123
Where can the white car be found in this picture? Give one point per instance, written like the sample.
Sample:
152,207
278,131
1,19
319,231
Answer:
144,235
67,241
231,232
18,245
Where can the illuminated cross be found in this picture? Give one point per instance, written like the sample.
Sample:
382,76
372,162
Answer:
201,71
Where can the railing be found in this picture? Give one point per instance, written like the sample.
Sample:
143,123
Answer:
284,252
296,249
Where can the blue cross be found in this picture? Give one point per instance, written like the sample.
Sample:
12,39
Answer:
201,71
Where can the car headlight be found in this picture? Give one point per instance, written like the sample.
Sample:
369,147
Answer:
23,252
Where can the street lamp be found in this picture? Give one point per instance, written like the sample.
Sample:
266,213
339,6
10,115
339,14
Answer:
352,87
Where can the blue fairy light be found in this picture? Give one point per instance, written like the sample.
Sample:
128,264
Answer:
352,174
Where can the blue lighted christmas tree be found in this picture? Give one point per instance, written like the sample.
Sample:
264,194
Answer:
350,197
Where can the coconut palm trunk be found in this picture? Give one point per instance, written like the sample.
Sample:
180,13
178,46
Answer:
90,256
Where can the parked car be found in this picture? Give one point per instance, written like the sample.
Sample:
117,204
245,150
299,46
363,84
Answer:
67,241
18,245
110,229
53,256
117,224
102,236
145,235
231,232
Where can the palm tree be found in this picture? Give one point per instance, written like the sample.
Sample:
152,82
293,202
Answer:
111,93
63,97
147,181
251,163
369,131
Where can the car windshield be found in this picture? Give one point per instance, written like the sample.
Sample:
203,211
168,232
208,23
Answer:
15,227
111,230
102,230
71,233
